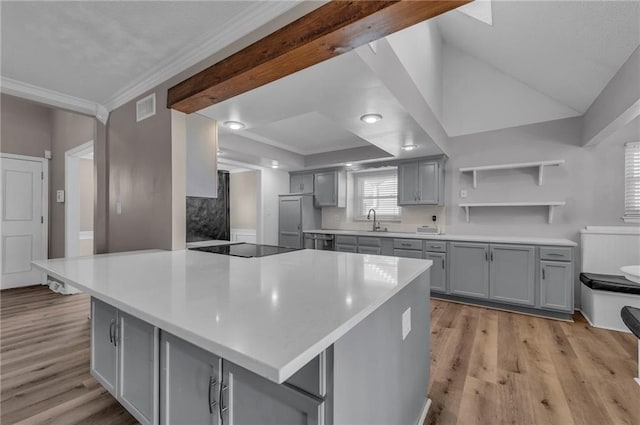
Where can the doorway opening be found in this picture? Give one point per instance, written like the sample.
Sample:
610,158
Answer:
79,191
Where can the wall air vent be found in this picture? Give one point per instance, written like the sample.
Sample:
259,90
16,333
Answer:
146,107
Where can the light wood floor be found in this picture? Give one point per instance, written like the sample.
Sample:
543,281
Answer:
487,367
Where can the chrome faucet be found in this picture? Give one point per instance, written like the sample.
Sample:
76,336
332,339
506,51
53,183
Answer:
376,224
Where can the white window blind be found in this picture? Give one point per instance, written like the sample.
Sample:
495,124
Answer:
378,190
632,181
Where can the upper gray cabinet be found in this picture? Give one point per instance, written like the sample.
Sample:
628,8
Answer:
421,183
301,183
330,189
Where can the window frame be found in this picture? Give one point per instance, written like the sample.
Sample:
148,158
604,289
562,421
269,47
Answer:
355,199
631,178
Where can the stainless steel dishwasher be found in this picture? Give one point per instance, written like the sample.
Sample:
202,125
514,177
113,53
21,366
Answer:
321,241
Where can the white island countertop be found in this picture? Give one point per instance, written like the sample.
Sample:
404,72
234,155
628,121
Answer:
452,237
270,315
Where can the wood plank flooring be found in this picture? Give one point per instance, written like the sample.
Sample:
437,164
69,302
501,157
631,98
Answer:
44,362
487,367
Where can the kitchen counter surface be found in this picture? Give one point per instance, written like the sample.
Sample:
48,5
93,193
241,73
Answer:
270,315
452,237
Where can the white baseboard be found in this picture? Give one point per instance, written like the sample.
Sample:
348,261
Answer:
425,410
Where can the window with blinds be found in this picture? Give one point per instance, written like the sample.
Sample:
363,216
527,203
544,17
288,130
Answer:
378,190
632,182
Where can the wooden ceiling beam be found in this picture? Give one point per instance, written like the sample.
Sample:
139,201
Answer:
334,28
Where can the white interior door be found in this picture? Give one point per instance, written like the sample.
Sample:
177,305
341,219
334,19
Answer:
22,221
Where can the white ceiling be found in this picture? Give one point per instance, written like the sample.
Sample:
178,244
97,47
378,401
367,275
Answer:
567,50
538,61
98,50
318,110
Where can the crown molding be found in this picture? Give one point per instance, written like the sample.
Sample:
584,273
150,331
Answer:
200,49
53,98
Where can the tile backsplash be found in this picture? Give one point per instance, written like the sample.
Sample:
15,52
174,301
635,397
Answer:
411,218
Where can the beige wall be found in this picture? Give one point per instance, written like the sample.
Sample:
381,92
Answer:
85,189
25,127
68,130
243,203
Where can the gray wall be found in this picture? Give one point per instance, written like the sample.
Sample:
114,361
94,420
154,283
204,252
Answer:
26,127
68,130
591,181
243,200
139,155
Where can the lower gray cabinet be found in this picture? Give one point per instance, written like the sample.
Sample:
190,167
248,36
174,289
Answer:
438,270
138,381
104,352
189,382
248,399
512,274
556,285
369,250
469,269
346,248
124,359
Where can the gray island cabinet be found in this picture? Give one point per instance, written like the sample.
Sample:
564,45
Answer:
306,337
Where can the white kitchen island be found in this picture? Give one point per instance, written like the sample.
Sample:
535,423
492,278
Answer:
188,337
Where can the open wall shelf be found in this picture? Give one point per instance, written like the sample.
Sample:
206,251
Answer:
551,205
538,164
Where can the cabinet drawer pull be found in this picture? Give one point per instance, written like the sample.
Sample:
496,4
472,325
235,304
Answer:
223,408
111,331
405,244
212,385
554,254
434,246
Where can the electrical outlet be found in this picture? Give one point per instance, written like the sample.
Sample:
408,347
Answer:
434,218
60,196
463,193
47,154
406,323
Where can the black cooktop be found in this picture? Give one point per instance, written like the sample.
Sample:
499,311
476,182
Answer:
246,250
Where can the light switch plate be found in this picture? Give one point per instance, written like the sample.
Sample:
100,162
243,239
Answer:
118,208
463,193
60,196
47,154
406,323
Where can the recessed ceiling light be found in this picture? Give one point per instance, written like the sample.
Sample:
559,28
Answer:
371,118
348,164
234,125
409,147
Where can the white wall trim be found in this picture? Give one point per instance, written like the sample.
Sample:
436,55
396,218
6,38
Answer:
45,201
53,98
71,201
198,50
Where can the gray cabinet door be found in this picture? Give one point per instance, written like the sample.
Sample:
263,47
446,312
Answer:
138,385
469,271
326,189
189,382
512,274
104,356
295,183
290,222
369,250
428,183
307,183
408,184
346,248
556,285
438,271
252,400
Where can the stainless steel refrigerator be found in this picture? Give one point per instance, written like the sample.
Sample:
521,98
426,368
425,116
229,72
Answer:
296,214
